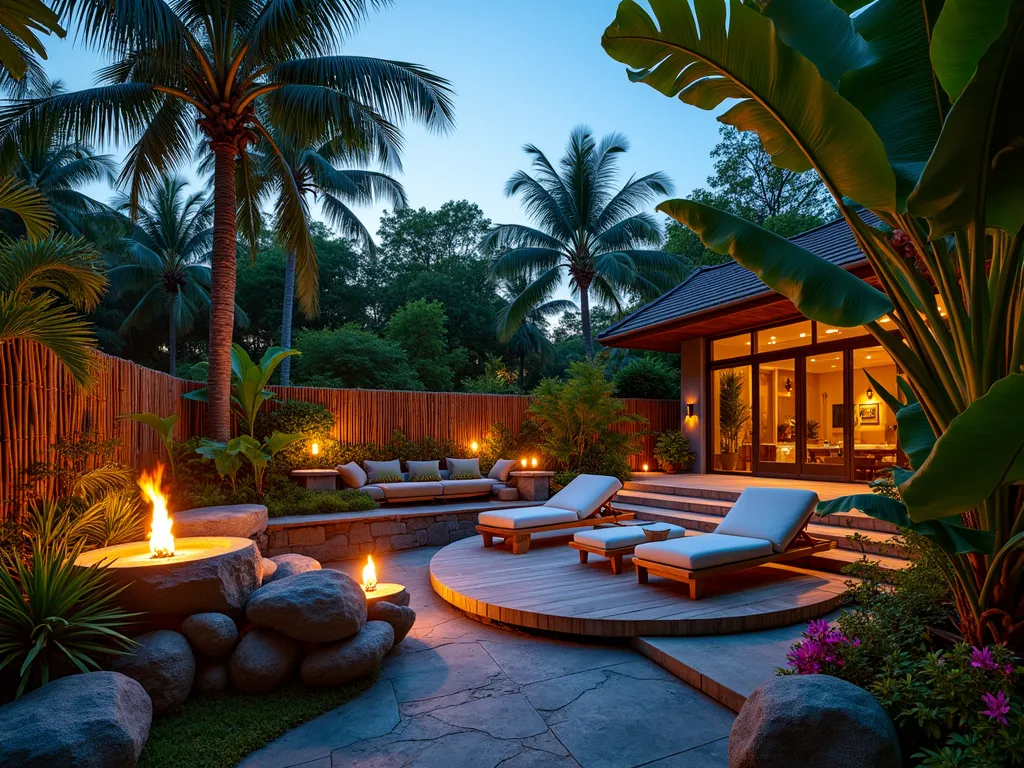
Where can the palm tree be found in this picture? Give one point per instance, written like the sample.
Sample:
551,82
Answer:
19,45
168,252
194,68
599,237
530,335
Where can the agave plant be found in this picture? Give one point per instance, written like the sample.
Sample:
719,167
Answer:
912,111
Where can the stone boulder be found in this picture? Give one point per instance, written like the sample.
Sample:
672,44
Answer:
313,607
289,565
241,520
269,569
807,721
91,720
349,660
262,661
163,663
399,617
211,634
211,679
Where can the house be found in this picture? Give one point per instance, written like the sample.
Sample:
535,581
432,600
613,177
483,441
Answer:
765,391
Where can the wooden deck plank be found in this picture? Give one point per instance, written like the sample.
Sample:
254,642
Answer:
548,589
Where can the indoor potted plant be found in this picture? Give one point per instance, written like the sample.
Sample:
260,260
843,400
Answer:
672,450
733,413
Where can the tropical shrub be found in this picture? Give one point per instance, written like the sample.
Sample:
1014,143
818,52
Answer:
672,450
502,443
647,377
576,419
312,422
82,467
227,457
931,192
164,428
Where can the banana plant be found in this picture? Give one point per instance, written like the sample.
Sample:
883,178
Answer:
910,111
249,382
226,455
164,428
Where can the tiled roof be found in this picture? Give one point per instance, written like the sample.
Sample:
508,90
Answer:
712,287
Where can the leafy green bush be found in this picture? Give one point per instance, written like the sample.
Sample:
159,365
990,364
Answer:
647,377
299,417
321,503
672,450
502,443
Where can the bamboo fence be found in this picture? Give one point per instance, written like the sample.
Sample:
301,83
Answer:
41,404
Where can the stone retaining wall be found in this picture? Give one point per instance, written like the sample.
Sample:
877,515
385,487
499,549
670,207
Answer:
340,539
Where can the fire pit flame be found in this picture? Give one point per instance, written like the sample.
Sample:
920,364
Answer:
161,542
369,576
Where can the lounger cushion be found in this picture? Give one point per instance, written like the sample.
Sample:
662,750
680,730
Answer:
397,491
467,487
352,475
375,469
585,494
526,517
772,514
697,552
622,536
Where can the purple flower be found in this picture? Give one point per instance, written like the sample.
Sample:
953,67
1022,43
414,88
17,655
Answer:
821,649
998,707
982,658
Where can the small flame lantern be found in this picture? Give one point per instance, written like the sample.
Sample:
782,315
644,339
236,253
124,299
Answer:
474,446
523,462
369,576
161,542
314,448
533,462
376,591
645,467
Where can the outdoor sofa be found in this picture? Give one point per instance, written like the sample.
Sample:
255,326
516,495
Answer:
386,480
583,502
765,525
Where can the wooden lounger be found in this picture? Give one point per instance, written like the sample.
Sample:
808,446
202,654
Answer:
803,546
520,537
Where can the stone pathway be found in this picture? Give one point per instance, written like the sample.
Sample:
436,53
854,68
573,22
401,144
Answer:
459,694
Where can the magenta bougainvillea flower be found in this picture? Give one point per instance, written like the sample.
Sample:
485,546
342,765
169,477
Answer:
821,649
982,658
998,707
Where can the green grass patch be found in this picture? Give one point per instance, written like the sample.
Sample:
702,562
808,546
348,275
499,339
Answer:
219,732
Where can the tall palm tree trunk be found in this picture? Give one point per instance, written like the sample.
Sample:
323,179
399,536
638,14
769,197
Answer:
286,317
222,309
588,345
172,345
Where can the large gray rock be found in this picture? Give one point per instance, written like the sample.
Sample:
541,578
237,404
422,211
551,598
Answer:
93,720
349,660
808,721
242,520
163,663
211,679
262,661
211,634
313,607
399,617
290,565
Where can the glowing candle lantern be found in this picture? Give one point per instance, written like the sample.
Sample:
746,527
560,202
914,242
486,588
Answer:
523,462
474,446
533,462
369,576
314,448
645,467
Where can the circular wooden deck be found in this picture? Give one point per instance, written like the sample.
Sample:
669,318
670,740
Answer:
548,589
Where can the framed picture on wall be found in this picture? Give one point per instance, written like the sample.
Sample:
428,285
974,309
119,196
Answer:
837,416
868,413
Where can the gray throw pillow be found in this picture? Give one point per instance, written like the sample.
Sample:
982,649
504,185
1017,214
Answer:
377,469
501,470
352,475
418,468
463,469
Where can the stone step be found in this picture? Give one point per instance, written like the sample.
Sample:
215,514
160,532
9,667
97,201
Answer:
717,494
872,542
706,505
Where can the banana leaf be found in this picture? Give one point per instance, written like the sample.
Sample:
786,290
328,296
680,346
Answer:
820,290
963,32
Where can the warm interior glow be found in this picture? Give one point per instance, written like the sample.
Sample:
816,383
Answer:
314,448
161,542
534,462
474,446
369,576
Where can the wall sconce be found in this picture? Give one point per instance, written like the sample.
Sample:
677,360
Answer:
789,385
870,393
690,410
314,448
474,446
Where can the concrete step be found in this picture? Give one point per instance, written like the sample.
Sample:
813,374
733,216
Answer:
835,560
871,542
678,490
706,505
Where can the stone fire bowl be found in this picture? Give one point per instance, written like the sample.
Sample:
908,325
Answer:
207,573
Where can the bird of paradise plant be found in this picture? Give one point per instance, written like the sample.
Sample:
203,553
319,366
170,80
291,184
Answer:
911,111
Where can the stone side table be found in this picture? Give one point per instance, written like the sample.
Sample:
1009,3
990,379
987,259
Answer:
316,479
533,484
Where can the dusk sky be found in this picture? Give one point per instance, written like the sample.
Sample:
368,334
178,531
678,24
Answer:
523,71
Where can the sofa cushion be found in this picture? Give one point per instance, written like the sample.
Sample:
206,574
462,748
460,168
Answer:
772,514
352,475
622,536
706,551
375,492
423,468
585,494
375,469
467,487
526,517
395,491
501,469
463,469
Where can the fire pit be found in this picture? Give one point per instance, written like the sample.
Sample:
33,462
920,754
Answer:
165,575
381,591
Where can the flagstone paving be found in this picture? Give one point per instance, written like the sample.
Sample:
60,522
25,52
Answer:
459,694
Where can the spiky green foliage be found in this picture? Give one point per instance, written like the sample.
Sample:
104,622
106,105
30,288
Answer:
598,236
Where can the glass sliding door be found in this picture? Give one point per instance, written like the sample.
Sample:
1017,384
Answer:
825,450
731,438
780,393
874,423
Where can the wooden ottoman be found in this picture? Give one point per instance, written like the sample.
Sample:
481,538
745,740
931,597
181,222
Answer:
617,540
